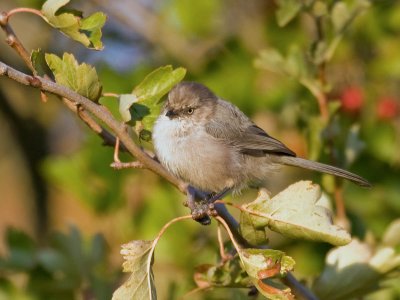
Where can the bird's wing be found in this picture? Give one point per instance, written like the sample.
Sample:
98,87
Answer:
237,130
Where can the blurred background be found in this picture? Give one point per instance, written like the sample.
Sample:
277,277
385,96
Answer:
64,212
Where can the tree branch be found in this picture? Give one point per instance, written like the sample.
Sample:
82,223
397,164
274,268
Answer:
14,42
99,112
82,105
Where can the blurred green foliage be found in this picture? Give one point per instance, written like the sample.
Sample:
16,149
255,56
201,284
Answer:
251,41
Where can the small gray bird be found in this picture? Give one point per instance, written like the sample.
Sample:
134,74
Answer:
212,145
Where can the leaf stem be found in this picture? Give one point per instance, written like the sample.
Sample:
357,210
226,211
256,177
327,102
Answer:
24,10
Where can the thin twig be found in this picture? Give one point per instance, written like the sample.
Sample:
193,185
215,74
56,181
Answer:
194,291
99,112
13,41
114,95
126,165
24,10
224,256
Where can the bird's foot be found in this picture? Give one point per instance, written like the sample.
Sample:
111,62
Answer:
201,206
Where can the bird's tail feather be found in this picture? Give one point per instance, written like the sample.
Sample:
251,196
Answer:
316,166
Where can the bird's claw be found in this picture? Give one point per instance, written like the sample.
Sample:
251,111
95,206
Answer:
202,211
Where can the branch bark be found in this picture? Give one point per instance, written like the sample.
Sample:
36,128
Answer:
99,112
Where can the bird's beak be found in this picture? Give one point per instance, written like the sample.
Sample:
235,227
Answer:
171,114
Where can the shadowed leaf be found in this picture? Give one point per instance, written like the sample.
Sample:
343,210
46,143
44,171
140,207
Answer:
355,270
39,62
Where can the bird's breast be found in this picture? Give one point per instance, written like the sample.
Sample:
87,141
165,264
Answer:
187,151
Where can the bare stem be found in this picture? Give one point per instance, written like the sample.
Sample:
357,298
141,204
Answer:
14,42
24,10
99,112
114,95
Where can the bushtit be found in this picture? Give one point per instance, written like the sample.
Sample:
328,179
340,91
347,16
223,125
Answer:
212,145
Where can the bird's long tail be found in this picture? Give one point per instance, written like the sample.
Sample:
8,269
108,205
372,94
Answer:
316,166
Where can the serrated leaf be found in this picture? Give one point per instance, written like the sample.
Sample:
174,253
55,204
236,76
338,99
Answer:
144,103
354,270
288,9
82,78
264,264
39,62
138,261
294,213
87,31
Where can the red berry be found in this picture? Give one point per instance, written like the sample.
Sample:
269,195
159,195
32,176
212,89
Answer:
352,99
388,108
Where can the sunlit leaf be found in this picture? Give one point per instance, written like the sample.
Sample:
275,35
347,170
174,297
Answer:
340,15
293,64
70,22
138,262
81,78
288,9
262,265
294,212
391,236
144,103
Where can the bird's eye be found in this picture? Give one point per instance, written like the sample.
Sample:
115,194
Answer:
190,111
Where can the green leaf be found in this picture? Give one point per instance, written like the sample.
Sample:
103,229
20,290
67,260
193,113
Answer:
87,31
340,16
314,134
248,230
392,236
39,62
271,60
229,274
354,144
138,257
355,270
81,78
21,249
319,9
143,104
262,265
288,10
292,65
295,213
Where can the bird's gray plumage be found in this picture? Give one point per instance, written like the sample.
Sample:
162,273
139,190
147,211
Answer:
213,145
